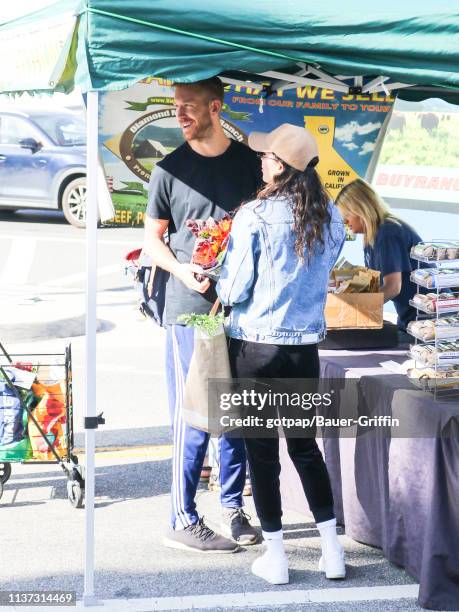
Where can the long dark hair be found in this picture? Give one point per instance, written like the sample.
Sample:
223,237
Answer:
309,201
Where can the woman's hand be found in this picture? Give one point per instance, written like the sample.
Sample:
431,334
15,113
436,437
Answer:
392,285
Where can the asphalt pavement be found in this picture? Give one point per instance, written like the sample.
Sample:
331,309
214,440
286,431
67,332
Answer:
42,536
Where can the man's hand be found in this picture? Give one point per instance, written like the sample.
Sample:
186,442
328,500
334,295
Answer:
186,273
164,258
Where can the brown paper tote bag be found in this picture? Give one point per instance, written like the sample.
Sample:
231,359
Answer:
210,360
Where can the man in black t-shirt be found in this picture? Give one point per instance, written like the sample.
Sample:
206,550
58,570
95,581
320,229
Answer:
209,175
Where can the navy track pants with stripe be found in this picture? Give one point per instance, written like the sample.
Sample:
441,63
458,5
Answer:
190,444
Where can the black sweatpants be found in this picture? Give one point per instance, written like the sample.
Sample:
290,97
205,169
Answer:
256,360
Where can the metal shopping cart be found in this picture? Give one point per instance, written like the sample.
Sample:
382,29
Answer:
36,416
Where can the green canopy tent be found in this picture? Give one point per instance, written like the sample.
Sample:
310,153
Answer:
113,44
101,45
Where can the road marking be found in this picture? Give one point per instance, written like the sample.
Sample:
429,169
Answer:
269,599
134,241
81,276
162,451
125,369
399,591
301,530
152,453
19,261
34,479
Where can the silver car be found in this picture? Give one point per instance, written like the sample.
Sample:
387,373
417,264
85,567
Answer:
43,162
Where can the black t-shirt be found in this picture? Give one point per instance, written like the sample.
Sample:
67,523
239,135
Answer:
391,253
187,185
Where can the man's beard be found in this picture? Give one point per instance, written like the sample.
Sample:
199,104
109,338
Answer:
203,131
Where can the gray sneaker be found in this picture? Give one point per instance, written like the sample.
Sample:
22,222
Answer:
235,523
199,538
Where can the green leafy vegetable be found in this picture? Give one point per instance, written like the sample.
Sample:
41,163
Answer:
206,323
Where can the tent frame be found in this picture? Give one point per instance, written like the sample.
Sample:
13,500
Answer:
89,598
311,75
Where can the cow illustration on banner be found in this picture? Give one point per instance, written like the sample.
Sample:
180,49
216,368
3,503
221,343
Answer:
137,128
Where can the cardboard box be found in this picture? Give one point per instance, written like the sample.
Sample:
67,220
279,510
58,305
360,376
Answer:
354,311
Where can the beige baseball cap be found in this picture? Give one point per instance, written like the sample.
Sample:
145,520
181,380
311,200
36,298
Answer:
292,144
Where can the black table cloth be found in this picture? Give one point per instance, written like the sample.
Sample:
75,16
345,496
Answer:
398,493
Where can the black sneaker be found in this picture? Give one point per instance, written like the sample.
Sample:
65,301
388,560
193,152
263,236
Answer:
235,523
199,538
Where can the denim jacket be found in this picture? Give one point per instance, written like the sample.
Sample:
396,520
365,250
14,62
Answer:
276,298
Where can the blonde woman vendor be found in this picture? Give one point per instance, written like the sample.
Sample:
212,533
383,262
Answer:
387,244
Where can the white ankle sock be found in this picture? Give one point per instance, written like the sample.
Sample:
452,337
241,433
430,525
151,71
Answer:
272,566
274,541
328,537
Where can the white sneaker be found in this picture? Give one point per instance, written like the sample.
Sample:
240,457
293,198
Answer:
333,565
272,568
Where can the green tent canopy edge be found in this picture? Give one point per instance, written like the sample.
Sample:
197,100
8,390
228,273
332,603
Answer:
111,45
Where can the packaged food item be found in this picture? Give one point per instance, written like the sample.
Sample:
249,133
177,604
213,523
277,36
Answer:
436,278
442,354
422,329
425,354
436,251
431,302
429,329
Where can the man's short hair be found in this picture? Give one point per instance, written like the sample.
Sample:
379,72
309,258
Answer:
213,87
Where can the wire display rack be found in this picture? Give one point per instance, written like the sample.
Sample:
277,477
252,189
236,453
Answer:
437,352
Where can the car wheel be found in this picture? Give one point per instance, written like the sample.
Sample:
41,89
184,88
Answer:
74,202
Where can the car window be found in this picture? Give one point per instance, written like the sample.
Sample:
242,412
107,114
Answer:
14,129
64,130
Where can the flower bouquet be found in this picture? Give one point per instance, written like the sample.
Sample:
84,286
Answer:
211,243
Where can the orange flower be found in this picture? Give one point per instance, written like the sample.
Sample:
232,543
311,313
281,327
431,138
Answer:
225,225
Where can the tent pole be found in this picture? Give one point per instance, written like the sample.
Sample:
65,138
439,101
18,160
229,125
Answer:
89,598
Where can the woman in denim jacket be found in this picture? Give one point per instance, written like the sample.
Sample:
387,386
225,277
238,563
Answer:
275,276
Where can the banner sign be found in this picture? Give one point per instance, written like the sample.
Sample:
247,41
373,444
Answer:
33,53
138,128
420,156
